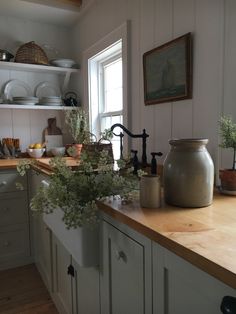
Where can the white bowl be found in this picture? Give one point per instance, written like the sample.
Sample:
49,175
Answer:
35,152
58,151
64,63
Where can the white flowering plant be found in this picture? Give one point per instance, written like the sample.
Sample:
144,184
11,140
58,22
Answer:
76,191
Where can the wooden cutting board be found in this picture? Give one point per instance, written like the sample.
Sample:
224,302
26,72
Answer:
70,161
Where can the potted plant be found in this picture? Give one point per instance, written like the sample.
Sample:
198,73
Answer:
77,121
228,136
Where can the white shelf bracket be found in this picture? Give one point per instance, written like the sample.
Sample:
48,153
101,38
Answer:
66,82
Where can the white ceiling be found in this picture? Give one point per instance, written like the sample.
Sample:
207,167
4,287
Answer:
42,13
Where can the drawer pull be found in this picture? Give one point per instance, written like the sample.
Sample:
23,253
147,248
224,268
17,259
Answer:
7,243
121,256
3,183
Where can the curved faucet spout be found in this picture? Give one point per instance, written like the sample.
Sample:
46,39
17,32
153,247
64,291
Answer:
143,135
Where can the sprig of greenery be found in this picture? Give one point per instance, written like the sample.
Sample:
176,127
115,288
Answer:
76,191
77,121
228,135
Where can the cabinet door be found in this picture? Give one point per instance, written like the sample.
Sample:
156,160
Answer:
85,286
181,288
62,284
43,250
125,278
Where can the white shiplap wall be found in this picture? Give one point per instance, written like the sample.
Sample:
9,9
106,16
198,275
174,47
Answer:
154,22
29,124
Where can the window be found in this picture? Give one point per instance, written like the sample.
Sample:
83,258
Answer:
106,86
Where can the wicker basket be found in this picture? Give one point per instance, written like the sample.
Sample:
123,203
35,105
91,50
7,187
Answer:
93,149
31,53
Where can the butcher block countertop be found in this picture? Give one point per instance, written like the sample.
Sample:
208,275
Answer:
42,163
206,237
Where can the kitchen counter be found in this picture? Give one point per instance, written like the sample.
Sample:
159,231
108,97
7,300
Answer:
9,163
41,165
206,237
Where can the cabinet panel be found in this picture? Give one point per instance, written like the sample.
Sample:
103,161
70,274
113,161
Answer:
14,242
125,277
62,284
8,181
13,208
181,288
42,245
85,287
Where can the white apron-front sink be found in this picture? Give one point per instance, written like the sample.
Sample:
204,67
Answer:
82,242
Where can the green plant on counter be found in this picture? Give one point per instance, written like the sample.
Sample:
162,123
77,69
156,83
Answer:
76,191
77,121
228,136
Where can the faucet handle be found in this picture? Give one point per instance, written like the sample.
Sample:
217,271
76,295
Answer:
154,162
135,161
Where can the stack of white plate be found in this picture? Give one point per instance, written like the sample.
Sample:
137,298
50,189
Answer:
27,100
50,101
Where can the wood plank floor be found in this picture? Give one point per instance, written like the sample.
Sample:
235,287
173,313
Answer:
22,291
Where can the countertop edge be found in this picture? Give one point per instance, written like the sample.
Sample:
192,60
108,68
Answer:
206,265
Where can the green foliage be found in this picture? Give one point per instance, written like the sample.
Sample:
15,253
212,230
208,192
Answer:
75,191
228,135
77,121
228,132
106,135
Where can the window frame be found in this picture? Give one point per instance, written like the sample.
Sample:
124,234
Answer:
119,34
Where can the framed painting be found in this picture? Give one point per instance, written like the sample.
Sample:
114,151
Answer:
168,71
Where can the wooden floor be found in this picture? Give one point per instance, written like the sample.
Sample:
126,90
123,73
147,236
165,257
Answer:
22,291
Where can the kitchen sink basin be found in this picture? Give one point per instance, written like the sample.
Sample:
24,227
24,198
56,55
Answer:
81,242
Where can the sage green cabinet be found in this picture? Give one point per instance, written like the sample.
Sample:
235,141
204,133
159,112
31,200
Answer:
41,236
62,282
85,289
14,221
181,288
126,270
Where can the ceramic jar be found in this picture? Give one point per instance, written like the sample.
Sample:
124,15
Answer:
150,191
188,174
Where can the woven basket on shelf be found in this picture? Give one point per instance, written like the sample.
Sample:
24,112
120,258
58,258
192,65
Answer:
31,53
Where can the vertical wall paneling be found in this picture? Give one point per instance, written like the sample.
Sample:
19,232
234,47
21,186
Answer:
207,71
135,112
162,116
183,22
147,19
228,105
6,129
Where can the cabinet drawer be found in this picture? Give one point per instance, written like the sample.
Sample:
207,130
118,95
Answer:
13,208
14,242
9,179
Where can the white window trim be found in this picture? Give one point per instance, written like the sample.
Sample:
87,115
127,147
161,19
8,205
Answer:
120,33
101,70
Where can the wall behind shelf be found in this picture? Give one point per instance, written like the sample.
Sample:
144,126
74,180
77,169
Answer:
29,124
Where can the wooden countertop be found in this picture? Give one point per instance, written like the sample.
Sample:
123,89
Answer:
206,237
9,163
42,163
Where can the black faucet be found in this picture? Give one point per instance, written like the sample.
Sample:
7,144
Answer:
144,136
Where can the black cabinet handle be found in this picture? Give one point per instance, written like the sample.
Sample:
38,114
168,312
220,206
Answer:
228,305
71,271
